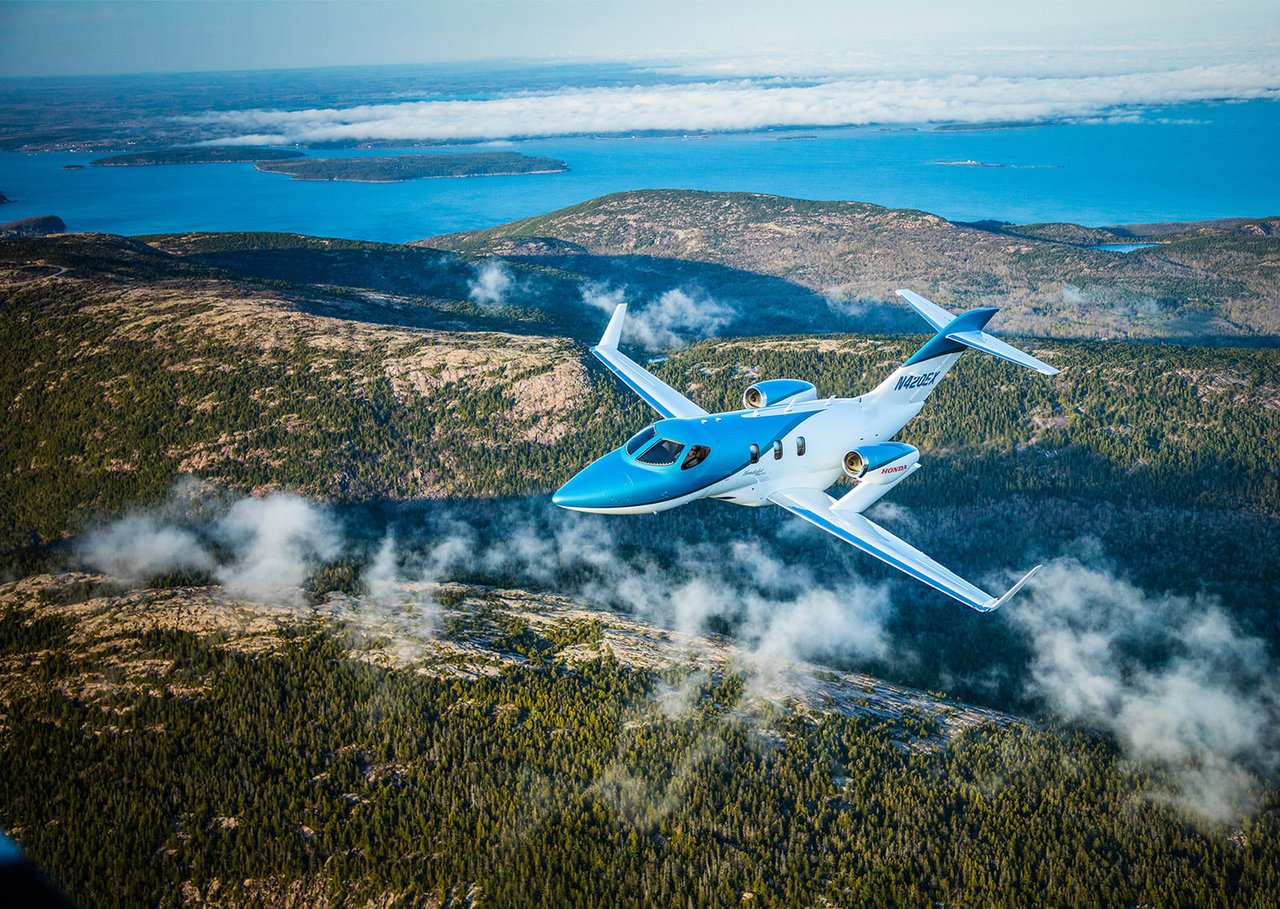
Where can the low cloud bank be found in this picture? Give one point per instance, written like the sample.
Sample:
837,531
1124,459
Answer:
1173,678
265,549
729,104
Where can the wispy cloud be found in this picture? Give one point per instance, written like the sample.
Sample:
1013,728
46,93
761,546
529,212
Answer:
489,287
258,548
1177,682
671,321
751,103
1173,678
138,547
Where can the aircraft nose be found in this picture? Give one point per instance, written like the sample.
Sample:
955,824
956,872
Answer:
595,486
570,495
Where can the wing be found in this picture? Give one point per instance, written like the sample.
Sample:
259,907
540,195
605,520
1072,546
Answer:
656,393
815,507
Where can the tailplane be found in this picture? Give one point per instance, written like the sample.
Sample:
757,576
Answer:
913,381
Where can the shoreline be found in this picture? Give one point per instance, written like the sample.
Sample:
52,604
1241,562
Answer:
301,179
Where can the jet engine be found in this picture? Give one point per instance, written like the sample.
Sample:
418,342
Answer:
778,391
886,462
875,470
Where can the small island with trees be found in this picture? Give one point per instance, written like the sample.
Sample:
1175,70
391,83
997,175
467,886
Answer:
396,168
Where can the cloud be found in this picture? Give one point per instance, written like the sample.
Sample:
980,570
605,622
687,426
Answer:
1173,678
139,547
1177,683
668,322
847,98
260,548
489,287
276,541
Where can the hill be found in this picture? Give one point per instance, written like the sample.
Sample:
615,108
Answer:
38,226
183,368
1199,282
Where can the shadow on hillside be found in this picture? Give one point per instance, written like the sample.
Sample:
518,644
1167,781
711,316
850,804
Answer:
545,295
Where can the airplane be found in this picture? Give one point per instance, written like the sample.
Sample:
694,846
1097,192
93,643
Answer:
787,447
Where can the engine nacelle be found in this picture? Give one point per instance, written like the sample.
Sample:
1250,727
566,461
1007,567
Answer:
778,391
875,469
883,463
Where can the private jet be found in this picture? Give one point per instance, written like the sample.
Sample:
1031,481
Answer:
787,446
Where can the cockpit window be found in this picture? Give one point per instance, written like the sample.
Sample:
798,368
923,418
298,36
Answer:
697,454
640,438
662,453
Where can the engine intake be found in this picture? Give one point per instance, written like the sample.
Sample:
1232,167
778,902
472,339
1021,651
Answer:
886,462
778,391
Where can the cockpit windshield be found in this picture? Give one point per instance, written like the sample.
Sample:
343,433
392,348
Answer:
644,435
662,453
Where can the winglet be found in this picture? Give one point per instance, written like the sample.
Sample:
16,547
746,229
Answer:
613,331
993,604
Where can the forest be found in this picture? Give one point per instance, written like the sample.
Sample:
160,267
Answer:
168,767
205,773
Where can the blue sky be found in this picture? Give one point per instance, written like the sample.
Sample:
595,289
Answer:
58,38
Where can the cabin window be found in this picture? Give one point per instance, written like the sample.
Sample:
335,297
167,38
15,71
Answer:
777,449
755,453
640,438
662,453
799,445
697,454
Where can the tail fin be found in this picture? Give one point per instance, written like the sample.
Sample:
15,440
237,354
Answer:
912,382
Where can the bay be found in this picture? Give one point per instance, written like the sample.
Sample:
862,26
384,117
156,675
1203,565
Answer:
1184,162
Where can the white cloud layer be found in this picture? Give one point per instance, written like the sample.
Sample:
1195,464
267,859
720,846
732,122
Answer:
752,103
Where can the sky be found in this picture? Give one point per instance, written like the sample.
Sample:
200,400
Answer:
68,38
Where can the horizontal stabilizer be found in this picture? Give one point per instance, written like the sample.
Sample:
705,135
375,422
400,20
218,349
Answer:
932,313
980,340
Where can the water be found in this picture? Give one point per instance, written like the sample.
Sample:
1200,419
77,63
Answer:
1185,162
1123,247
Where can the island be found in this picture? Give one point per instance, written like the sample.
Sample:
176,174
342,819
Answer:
968,163
211,154
397,168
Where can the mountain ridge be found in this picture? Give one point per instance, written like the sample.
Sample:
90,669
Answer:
1199,279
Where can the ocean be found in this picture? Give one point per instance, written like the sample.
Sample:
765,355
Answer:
1184,162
